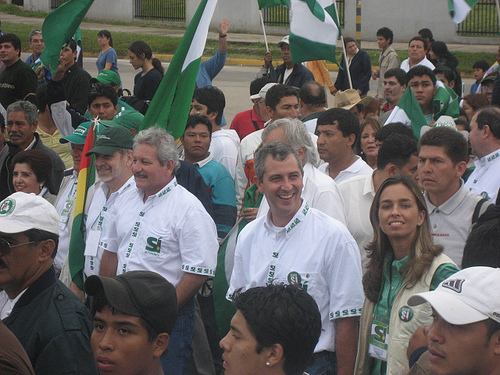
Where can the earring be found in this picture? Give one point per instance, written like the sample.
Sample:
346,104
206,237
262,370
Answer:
268,363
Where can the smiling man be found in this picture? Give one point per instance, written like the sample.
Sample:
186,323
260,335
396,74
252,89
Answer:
17,81
275,249
274,331
38,45
50,322
442,160
464,338
134,314
160,226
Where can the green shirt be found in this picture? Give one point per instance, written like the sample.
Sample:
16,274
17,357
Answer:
391,284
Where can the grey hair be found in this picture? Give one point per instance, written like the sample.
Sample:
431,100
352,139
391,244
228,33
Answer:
164,143
297,136
29,109
35,32
279,151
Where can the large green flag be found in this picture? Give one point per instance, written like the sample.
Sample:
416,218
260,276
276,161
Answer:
170,106
459,9
314,30
271,3
58,28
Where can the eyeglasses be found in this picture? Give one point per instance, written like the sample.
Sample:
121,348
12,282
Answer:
5,246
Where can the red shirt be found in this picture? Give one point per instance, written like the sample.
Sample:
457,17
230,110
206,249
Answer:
246,122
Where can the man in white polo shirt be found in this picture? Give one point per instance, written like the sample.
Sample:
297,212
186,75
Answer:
299,245
338,138
484,139
161,227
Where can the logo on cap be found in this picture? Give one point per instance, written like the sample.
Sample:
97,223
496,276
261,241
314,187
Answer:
7,207
455,285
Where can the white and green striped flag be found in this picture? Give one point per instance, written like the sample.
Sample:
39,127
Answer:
170,106
314,30
459,9
408,112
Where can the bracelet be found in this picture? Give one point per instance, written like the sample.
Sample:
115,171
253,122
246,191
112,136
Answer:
222,36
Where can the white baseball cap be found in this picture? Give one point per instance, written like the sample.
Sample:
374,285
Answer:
20,212
469,296
263,91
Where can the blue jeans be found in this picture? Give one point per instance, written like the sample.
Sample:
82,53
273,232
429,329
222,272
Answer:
179,348
325,363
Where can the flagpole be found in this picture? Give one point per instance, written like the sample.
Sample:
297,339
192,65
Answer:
343,46
498,11
264,29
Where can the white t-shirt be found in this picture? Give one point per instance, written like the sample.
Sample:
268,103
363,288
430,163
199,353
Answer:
313,251
224,148
170,234
358,168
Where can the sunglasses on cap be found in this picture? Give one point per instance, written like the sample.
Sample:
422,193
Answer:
5,246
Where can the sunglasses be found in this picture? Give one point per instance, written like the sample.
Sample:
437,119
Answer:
5,246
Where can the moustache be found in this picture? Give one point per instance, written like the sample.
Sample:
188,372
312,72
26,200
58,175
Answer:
14,134
103,168
140,175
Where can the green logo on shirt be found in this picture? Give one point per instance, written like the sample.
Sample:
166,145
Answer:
405,313
294,278
154,244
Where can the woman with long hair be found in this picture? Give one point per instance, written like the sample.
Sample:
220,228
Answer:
402,261
369,147
473,103
441,56
107,58
147,81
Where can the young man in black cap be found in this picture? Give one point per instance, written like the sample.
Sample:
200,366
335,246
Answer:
134,314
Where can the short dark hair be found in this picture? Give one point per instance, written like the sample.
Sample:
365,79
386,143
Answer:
257,84
285,315
38,235
106,34
72,44
313,93
39,162
419,39
348,39
41,98
481,64
462,122
386,33
99,302
347,122
194,120
397,149
481,247
447,72
2,123
426,34
399,73
453,143
394,128
213,98
489,116
277,92
105,90
13,39
278,151
419,71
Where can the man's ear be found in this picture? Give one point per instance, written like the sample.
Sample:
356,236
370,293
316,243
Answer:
46,248
160,344
275,355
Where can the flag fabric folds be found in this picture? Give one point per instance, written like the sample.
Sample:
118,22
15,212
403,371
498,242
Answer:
86,178
408,112
314,30
58,28
170,106
271,3
459,9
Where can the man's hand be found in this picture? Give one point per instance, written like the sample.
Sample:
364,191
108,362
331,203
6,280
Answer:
375,74
249,214
40,73
224,26
268,59
61,68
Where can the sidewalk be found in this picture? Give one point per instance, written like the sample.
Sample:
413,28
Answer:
232,37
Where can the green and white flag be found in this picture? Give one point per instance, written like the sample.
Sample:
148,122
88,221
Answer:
445,102
459,9
58,28
314,30
170,106
272,3
408,112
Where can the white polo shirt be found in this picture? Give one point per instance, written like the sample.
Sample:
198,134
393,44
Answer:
485,179
320,191
170,234
358,168
358,193
96,216
405,65
451,222
313,251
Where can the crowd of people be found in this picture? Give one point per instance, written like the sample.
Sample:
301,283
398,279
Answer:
293,239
